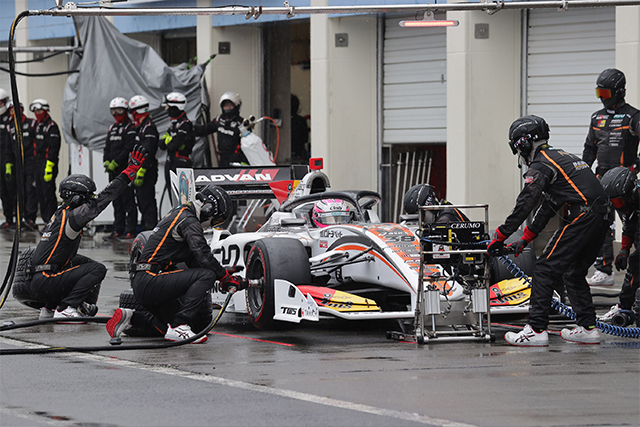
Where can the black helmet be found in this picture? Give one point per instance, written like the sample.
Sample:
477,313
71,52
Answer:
610,87
77,189
524,132
419,195
216,204
621,186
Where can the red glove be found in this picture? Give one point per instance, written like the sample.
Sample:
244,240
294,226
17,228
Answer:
497,245
136,158
235,281
517,247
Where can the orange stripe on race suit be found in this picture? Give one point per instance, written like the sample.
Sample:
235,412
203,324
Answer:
164,272
377,255
60,272
167,233
563,230
64,217
566,177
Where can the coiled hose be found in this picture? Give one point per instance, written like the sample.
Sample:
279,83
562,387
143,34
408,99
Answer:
566,311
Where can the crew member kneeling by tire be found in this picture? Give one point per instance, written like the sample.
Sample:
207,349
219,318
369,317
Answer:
157,284
62,278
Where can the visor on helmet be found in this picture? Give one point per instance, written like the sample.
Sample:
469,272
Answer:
333,218
603,93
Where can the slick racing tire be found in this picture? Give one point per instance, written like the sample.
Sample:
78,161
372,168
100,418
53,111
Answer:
128,300
270,259
525,262
138,246
21,289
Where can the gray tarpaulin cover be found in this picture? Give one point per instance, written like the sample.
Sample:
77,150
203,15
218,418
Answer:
110,65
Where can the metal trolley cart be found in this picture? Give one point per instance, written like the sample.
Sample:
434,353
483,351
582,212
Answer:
459,248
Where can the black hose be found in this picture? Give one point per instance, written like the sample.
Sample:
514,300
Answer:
57,73
48,350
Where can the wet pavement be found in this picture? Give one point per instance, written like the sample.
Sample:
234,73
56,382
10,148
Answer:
331,373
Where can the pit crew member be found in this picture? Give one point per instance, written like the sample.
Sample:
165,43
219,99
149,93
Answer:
7,184
47,149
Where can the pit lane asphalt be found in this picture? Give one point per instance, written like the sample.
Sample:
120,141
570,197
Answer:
330,373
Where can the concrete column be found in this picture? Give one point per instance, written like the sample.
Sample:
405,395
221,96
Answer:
483,99
343,99
204,45
628,49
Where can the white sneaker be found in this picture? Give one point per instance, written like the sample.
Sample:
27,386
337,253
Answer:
45,313
601,279
527,338
181,333
67,312
120,322
581,336
608,316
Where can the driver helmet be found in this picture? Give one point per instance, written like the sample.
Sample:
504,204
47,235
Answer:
526,134
419,195
610,87
77,189
216,205
330,212
622,187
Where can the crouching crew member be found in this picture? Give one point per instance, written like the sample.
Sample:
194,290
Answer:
158,284
561,178
61,278
179,139
623,188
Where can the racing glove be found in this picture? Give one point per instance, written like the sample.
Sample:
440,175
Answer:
232,281
134,169
8,175
48,171
517,247
622,259
165,140
106,165
113,165
496,246
635,166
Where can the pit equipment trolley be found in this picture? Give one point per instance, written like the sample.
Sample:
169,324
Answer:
459,248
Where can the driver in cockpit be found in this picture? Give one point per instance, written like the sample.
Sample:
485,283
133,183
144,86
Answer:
328,212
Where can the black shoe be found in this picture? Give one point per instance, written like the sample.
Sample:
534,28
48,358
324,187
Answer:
112,236
128,236
88,310
7,226
30,225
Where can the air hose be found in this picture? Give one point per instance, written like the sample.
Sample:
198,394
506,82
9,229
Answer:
114,341
567,311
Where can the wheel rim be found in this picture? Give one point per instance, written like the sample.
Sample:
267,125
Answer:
256,295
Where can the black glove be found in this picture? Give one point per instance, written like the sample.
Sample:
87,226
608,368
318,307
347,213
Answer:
496,247
622,259
517,247
235,281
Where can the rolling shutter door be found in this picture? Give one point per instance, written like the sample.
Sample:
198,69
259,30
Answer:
566,51
414,83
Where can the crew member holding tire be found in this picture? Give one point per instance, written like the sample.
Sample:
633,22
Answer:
62,278
227,129
145,181
613,138
121,138
179,139
561,179
47,150
623,188
174,295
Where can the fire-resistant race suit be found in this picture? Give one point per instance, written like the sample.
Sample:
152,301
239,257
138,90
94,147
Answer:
47,141
227,137
630,237
145,182
61,277
563,179
179,143
612,140
29,167
157,282
121,139
7,181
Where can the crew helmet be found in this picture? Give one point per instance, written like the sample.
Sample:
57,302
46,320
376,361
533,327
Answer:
234,98
175,99
621,185
610,87
77,189
139,104
39,104
330,212
119,102
419,195
526,134
4,96
216,204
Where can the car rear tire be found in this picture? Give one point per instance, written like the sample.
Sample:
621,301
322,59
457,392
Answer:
270,259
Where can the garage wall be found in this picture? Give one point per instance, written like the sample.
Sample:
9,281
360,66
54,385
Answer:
565,54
